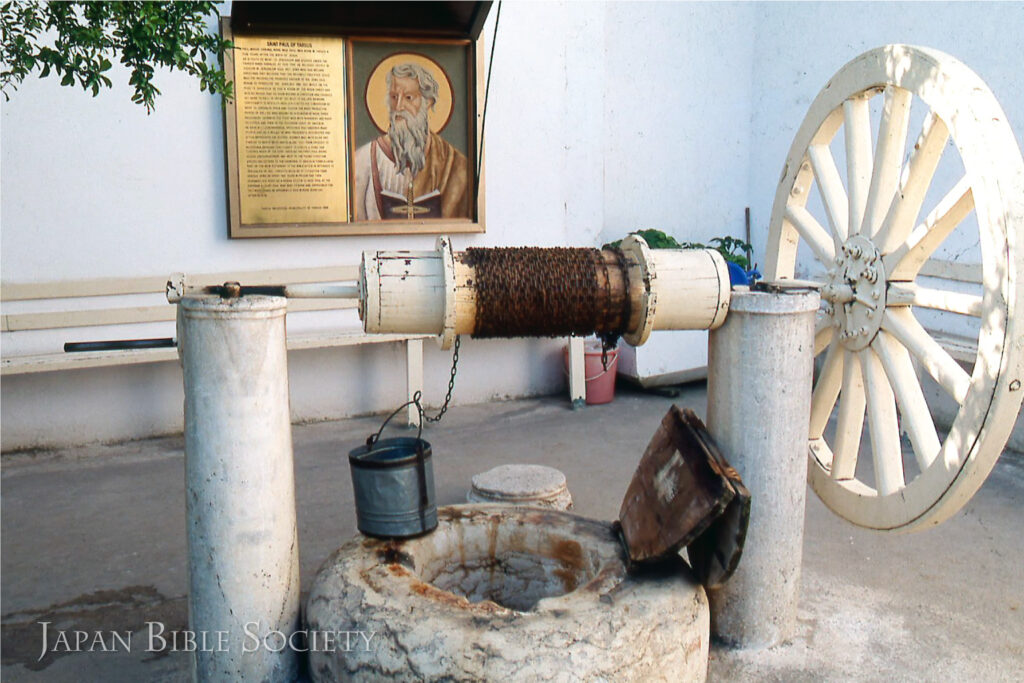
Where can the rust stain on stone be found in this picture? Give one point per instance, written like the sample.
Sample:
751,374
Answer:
492,539
570,555
448,598
435,593
461,513
569,579
607,572
393,553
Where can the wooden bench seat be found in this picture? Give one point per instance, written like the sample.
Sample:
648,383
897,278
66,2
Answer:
962,349
86,310
49,362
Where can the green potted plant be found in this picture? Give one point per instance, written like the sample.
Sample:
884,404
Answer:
732,249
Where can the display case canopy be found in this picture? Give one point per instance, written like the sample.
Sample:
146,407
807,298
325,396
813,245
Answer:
413,19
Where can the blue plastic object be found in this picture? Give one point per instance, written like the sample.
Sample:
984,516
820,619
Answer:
737,276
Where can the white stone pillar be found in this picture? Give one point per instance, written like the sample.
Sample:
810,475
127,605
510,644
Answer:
240,488
759,398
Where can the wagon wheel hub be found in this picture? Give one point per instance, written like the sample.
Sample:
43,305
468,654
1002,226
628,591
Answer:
855,293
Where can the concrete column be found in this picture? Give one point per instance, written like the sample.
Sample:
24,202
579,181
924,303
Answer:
240,488
759,398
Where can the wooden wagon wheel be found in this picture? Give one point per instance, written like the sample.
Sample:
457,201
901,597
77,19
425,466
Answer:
872,244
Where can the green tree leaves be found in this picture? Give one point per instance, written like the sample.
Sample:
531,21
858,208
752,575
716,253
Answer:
77,41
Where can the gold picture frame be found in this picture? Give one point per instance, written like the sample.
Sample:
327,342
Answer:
293,133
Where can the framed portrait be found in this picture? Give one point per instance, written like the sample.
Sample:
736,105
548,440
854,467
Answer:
411,134
353,135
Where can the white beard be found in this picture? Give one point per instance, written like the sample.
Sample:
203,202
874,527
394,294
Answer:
409,135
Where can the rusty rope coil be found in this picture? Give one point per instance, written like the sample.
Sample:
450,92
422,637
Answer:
548,292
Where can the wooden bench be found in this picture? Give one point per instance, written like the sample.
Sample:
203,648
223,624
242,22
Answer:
962,349
97,309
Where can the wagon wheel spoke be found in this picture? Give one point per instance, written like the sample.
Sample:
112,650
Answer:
857,135
826,390
915,416
916,179
904,262
885,175
911,294
883,428
851,419
826,174
901,324
823,332
812,232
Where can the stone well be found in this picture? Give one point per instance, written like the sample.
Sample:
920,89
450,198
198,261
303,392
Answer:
505,593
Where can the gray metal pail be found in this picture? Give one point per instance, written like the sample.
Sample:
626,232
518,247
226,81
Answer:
393,481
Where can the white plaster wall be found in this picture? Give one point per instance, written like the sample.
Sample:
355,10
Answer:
677,118
799,45
95,188
603,118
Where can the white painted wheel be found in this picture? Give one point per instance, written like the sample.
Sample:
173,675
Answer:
870,241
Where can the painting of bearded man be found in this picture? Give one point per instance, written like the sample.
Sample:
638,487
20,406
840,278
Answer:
410,172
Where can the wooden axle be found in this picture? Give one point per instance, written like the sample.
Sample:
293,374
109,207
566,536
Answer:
437,292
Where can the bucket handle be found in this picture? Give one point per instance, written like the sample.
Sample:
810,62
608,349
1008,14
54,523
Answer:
589,379
420,461
374,438
565,371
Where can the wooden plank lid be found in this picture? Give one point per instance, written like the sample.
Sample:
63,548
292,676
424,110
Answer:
684,493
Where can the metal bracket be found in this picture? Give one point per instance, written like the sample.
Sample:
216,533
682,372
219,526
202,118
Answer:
635,247
444,248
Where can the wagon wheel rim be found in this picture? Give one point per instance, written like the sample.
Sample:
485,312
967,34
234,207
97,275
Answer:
873,247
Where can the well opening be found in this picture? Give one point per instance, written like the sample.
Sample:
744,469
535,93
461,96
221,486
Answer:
511,565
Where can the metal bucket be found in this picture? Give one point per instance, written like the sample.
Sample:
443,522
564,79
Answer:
393,481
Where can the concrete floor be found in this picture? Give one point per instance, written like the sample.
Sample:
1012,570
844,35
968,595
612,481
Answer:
93,538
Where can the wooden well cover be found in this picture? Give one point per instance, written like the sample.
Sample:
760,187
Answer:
681,487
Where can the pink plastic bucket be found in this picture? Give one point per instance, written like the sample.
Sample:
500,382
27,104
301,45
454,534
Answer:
600,382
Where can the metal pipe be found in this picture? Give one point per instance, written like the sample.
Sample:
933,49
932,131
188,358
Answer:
759,397
177,289
240,487
319,290
120,345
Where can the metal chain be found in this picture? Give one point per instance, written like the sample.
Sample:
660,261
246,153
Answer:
608,308
451,386
610,338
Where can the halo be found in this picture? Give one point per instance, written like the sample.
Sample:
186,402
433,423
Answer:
377,90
